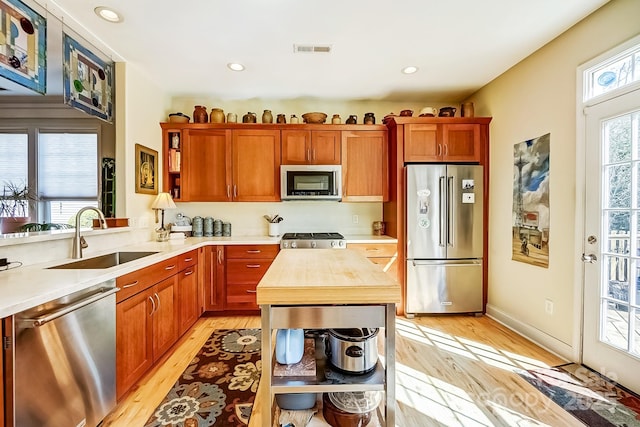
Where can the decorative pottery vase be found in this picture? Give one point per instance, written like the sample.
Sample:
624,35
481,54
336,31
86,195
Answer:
406,113
200,114
447,112
232,118
369,119
467,109
281,118
352,120
336,120
294,119
216,116
249,118
267,117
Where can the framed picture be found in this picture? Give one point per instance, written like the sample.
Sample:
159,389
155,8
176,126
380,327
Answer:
146,170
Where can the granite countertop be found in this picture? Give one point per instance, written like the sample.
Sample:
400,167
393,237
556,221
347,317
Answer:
26,287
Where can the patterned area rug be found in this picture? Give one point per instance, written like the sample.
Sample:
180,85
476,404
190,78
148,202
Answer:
219,385
588,396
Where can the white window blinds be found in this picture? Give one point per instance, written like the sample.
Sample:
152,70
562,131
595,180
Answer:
67,165
13,158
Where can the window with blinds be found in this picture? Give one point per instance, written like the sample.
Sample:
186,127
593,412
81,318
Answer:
14,149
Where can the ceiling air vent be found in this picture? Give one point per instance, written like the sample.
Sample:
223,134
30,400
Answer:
310,48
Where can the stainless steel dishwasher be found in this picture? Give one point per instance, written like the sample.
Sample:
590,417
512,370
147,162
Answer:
64,360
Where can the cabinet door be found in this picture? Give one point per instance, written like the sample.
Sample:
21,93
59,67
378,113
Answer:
365,176
296,147
188,297
165,316
214,278
422,143
206,165
325,147
256,165
461,142
134,347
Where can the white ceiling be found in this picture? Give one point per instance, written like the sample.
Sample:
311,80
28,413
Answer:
458,45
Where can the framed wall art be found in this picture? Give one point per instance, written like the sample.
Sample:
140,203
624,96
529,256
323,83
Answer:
531,209
87,80
146,170
23,55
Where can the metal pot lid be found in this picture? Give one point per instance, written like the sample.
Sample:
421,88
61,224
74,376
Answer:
354,334
356,402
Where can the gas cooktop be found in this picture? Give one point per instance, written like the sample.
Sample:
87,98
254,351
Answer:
312,240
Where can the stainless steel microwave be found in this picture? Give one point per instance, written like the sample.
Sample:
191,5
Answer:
311,182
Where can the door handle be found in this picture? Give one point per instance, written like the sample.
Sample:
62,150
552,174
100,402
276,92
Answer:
153,305
589,258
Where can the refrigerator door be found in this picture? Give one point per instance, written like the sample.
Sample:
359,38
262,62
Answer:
464,217
426,203
444,286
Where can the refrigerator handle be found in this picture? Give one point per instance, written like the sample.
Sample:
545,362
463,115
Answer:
442,212
450,213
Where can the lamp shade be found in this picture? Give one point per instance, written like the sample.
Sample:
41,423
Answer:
163,201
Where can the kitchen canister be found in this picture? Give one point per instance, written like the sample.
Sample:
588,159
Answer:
217,228
197,225
226,229
208,227
274,229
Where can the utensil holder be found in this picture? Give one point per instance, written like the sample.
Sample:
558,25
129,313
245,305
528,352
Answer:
274,229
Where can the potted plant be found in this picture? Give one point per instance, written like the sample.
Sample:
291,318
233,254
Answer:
14,206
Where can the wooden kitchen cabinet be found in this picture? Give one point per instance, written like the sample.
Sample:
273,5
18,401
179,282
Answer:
245,266
256,165
311,147
207,165
188,288
214,277
365,176
383,254
442,142
147,320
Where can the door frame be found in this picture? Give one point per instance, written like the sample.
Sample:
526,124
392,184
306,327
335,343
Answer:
580,197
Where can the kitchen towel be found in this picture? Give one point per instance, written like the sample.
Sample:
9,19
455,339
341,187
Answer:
298,418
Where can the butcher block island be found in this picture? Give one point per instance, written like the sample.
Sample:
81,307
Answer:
328,289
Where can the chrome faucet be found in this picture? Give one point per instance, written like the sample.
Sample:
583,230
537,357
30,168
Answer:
78,241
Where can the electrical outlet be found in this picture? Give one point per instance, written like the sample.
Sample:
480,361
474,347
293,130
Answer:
133,222
548,306
355,219
143,222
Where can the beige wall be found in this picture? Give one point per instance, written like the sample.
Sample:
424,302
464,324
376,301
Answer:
535,97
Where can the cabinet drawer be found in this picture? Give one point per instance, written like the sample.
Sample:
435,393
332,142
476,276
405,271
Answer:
374,249
252,251
241,296
246,270
187,259
139,280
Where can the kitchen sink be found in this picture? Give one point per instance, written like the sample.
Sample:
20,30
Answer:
103,261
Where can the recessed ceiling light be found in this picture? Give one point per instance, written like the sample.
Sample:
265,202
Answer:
108,14
235,66
410,69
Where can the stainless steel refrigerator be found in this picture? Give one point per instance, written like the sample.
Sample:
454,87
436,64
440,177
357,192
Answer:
444,238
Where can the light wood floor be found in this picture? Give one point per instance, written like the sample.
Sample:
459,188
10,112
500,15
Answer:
450,371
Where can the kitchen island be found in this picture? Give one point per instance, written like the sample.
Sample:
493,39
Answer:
327,288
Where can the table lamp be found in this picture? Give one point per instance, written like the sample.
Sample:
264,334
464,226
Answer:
162,202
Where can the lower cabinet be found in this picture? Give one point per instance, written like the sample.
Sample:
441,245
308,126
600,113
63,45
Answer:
213,278
383,254
188,291
146,327
245,266
2,380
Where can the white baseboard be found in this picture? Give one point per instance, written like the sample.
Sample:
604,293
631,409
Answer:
544,340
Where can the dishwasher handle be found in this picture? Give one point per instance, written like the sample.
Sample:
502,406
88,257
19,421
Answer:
41,320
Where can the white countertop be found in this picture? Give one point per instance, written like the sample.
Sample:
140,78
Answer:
26,287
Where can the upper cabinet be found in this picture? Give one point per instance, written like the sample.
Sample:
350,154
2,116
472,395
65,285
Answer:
310,147
365,176
256,165
441,139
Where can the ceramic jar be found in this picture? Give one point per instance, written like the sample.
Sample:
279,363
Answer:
294,119
281,118
216,116
467,109
447,112
369,119
232,118
267,117
336,120
406,113
352,120
249,118
200,114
